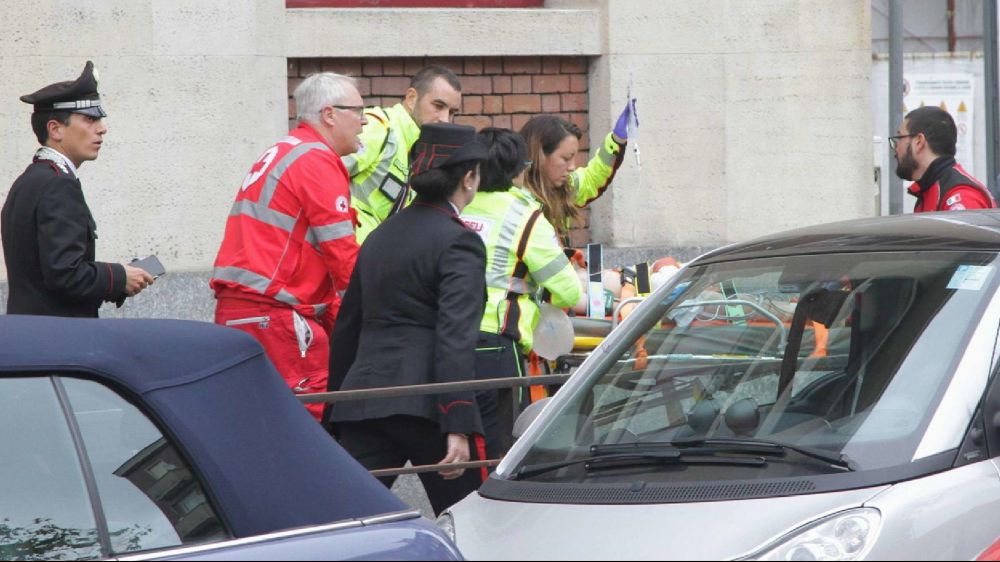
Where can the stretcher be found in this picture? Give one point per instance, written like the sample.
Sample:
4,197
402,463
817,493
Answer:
714,317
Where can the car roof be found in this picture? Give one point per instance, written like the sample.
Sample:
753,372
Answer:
950,230
265,461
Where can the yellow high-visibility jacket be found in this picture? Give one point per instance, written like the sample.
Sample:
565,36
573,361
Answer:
380,171
522,254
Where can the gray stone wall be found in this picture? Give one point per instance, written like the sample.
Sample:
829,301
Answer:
754,118
179,295
194,92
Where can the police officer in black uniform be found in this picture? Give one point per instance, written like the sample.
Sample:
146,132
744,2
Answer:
48,232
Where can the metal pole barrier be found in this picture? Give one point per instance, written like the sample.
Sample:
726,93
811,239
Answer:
992,95
433,468
432,388
896,96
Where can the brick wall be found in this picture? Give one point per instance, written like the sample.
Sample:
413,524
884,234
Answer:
496,91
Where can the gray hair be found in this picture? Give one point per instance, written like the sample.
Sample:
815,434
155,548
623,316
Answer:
321,90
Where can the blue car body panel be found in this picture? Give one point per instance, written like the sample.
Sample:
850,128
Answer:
414,539
263,460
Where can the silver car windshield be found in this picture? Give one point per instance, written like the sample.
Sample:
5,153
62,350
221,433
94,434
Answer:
844,355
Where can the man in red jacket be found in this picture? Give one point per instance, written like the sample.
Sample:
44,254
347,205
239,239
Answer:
925,153
289,246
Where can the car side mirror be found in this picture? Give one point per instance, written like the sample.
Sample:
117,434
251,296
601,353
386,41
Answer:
528,415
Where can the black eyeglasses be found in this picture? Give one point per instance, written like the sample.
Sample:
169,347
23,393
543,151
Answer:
895,139
358,109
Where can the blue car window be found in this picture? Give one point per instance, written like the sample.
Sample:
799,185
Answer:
45,513
149,494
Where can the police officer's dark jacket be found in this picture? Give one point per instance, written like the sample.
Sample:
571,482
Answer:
49,247
411,316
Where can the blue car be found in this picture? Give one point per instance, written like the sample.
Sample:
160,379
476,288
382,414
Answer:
135,439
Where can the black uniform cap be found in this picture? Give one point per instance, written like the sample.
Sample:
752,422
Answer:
75,96
445,144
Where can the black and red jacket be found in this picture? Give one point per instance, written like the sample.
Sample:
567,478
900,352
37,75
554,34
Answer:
946,186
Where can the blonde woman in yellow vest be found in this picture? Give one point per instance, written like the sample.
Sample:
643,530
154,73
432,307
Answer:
523,257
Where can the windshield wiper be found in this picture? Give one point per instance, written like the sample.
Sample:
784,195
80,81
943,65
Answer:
733,445
665,455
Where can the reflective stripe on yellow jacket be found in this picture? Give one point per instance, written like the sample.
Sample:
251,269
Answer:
507,221
379,172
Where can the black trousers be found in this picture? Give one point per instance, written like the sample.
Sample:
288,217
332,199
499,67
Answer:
499,357
391,442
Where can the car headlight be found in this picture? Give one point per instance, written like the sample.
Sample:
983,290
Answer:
447,524
848,535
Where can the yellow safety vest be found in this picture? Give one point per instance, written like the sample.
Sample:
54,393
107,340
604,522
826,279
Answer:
590,182
522,254
379,173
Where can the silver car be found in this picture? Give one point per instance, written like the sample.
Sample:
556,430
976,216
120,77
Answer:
821,394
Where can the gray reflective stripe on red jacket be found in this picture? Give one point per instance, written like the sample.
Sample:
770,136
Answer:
327,233
260,284
252,280
260,210
263,214
274,176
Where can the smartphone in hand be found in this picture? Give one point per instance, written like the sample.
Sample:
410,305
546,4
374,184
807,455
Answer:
150,265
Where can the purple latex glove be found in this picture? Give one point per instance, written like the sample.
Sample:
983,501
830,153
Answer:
628,114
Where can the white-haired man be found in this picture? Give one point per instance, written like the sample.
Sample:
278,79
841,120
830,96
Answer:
289,245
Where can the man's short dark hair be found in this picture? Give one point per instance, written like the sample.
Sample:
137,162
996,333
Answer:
40,122
937,126
422,80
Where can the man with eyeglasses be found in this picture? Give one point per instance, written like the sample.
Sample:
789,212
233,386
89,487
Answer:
289,247
925,154
379,172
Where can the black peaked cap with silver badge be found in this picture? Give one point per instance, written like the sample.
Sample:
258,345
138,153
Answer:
75,96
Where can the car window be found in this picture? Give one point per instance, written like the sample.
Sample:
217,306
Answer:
150,496
847,354
45,512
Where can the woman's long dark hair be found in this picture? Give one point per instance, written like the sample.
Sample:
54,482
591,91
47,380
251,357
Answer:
543,134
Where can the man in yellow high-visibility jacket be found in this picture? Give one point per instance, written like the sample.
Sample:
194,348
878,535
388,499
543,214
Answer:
523,256
379,171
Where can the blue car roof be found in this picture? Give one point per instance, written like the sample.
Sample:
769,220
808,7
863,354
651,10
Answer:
265,461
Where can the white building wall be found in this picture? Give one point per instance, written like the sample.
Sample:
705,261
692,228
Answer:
755,115
194,92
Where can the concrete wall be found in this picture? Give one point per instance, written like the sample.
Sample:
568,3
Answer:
441,32
755,117
194,92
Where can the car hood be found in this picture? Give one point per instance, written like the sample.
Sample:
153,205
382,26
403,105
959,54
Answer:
504,530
